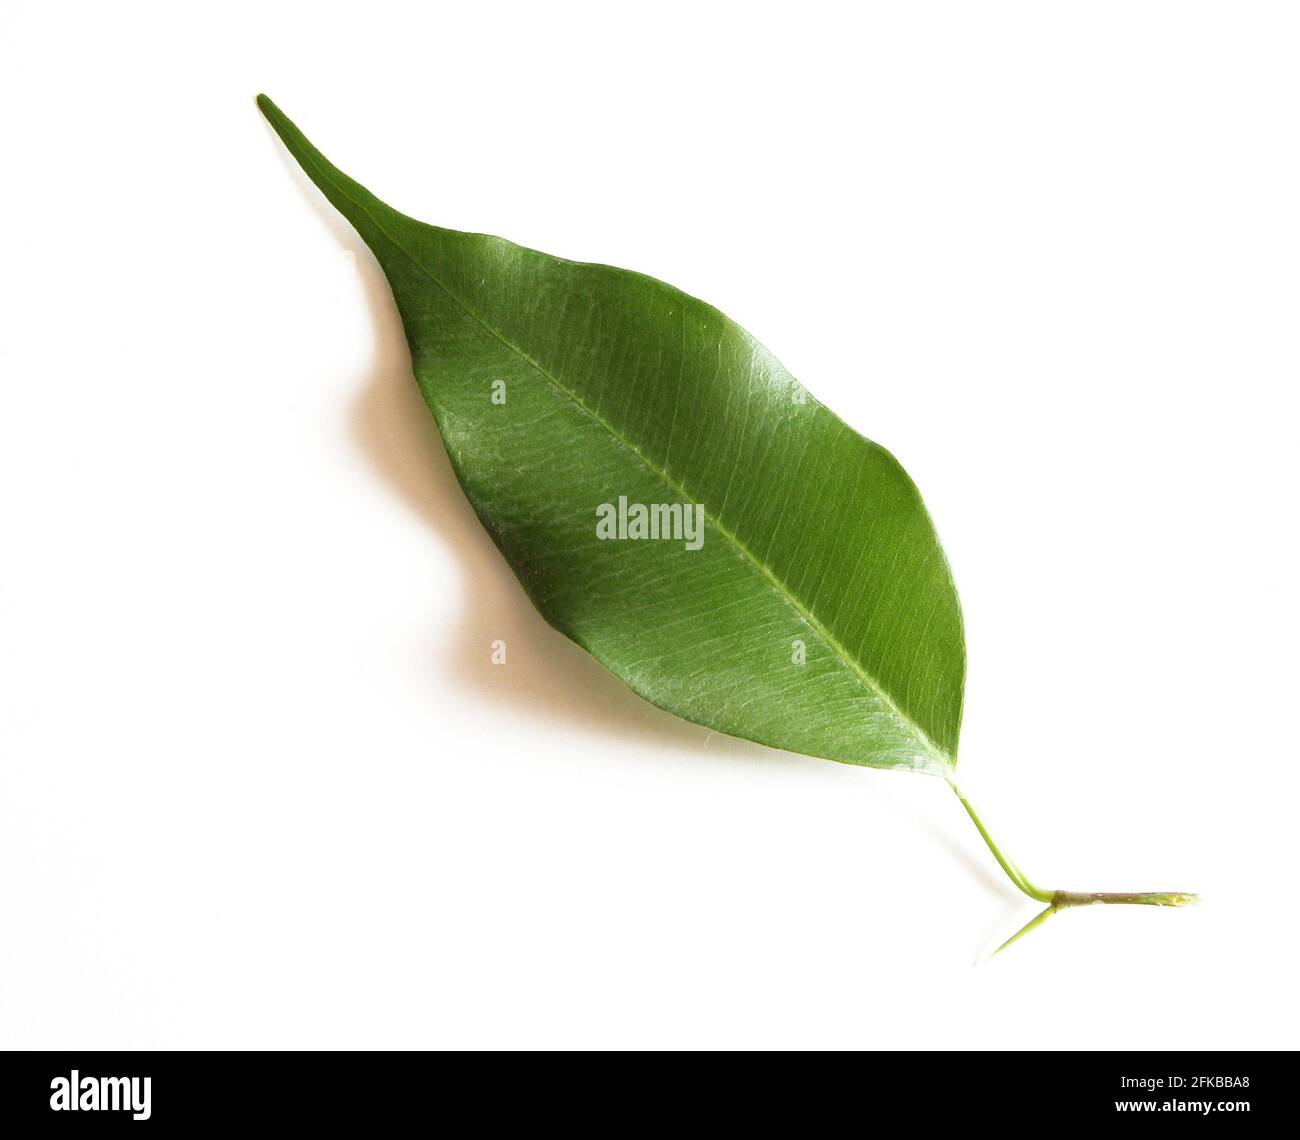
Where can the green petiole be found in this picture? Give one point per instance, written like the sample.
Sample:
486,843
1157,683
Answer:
1063,900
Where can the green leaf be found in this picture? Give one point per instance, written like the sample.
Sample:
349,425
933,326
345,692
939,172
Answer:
617,385
812,609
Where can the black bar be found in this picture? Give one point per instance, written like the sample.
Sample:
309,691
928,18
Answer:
364,1091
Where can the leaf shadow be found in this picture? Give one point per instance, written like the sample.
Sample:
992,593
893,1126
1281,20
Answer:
545,673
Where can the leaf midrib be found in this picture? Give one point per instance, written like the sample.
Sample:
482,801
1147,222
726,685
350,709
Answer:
773,581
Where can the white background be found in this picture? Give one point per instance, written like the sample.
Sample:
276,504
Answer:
259,783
